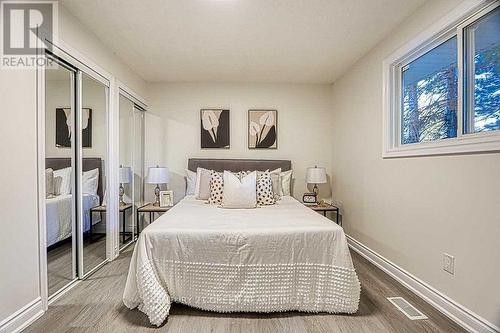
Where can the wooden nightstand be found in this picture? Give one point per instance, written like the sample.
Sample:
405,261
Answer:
326,207
151,209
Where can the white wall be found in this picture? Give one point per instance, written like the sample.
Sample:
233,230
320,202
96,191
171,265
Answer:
411,210
19,269
18,197
304,124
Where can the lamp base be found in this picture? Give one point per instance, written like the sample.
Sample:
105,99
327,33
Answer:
157,194
122,192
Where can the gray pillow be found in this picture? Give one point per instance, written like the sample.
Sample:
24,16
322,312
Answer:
276,180
190,182
202,184
49,183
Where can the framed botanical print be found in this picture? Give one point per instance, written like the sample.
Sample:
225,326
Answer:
262,129
214,128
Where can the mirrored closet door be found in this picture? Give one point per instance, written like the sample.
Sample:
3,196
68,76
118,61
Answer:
60,177
131,168
76,148
93,144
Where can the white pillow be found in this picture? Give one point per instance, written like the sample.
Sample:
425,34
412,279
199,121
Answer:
190,182
286,182
202,191
62,181
90,181
105,199
266,195
240,194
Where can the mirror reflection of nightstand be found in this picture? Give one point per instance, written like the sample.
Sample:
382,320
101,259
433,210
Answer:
102,209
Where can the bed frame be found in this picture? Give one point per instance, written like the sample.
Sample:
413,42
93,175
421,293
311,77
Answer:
236,165
56,163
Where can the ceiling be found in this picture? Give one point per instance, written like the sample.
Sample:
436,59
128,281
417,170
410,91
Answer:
300,41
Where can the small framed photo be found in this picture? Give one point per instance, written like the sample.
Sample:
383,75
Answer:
166,198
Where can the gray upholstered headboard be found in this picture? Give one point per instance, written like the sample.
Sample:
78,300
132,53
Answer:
56,163
238,164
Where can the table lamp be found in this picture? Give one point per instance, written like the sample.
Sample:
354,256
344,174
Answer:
316,176
125,176
157,175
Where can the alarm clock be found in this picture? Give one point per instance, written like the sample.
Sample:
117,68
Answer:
310,198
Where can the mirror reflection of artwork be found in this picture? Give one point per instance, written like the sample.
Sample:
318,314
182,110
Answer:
262,129
214,128
64,121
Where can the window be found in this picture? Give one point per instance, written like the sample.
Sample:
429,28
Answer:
442,90
429,95
482,79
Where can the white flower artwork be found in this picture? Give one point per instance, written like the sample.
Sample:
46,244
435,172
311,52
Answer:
214,128
64,122
210,121
262,129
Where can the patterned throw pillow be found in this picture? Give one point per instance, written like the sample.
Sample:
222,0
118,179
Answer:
216,187
265,194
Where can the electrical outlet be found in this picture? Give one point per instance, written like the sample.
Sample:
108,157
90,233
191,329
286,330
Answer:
449,263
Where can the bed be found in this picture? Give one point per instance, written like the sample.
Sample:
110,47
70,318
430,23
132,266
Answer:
276,258
59,216
59,208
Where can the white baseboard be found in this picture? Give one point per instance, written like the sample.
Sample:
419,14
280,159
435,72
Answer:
453,310
23,317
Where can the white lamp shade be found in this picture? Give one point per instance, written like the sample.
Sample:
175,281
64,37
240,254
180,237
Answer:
157,175
316,175
125,175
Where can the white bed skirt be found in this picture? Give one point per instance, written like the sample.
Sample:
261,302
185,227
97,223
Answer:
235,271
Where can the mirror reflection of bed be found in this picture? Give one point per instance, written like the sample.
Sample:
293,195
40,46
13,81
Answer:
60,228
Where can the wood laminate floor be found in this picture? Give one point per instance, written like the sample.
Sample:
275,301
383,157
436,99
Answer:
59,261
95,305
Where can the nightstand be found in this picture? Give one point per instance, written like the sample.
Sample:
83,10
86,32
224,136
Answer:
326,207
102,209
151,209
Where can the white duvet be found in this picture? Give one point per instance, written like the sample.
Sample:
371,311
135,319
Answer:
275,258
59,216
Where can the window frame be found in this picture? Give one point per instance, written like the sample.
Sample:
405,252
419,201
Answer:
449,26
